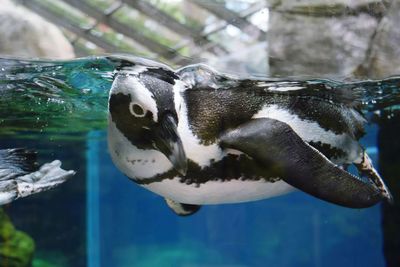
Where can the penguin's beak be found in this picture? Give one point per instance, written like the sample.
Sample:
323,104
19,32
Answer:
167,141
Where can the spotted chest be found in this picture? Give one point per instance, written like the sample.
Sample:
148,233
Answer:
146,166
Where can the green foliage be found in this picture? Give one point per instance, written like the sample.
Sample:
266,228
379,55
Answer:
138,23
16,247
73,16
103,5
131,18
174,9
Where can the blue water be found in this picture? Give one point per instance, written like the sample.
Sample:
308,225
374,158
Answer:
100,218
129,226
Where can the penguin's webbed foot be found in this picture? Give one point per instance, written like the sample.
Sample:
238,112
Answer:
367,171
18,178
182,209
48,176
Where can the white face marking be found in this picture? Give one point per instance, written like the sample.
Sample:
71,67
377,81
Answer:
311,131
132,161
216,192
130,85
48,176
200,154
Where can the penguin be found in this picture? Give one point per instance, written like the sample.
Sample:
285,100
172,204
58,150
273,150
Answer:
196,136
199,137
20,175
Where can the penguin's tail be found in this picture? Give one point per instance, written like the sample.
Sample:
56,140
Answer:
21,175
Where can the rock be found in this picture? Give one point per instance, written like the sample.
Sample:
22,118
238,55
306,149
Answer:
384,60
247,60
320,39
25,34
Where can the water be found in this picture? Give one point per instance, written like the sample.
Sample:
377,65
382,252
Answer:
100,218
52,95
292,230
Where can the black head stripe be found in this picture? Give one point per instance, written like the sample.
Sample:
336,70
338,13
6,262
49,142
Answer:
130,126
161,74
121,63
160,83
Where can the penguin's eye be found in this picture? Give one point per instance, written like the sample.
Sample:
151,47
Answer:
136,109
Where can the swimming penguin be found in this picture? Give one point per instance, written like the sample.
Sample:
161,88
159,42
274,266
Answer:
196,137
20,175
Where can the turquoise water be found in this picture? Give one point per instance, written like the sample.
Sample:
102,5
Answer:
101,218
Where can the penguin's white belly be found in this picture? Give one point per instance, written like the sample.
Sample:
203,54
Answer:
144,164
218,192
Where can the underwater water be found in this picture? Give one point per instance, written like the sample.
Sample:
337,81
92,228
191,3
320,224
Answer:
101,218
291,230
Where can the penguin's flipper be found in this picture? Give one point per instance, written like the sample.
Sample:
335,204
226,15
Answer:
182,209
274,144
18,177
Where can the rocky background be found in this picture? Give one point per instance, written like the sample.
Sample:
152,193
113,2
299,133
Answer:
25,34
343,38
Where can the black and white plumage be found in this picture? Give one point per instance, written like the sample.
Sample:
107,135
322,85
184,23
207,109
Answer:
20,175
196,136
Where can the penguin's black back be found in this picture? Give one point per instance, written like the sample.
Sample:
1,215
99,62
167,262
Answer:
212,111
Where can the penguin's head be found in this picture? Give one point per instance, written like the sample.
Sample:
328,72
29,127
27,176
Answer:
141,106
